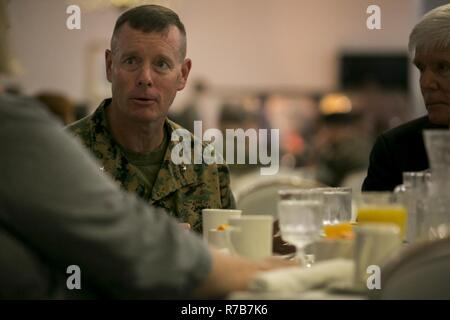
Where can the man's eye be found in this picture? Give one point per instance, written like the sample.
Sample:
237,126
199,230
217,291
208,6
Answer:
130,60
162,65
443,67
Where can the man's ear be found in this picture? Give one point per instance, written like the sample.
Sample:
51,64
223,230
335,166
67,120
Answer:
108,63
185,69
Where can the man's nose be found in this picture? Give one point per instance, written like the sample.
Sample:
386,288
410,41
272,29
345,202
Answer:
428,80
145,77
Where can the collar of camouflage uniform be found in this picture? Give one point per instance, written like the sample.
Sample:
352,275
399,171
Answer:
170,176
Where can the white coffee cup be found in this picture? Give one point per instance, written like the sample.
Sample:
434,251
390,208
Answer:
374,244
212,218
251,236
218,238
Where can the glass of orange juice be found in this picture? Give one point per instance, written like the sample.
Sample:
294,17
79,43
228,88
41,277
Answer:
382,207
337,212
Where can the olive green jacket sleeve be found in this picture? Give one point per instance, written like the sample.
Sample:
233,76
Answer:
53,195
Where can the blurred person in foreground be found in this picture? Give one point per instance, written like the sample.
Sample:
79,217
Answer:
58,208
131,135
402,149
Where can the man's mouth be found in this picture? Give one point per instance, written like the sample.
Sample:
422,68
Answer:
143,100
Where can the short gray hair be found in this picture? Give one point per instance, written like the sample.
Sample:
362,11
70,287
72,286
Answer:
432,32
150,18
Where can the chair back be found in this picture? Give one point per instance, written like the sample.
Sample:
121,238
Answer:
259,195
421,272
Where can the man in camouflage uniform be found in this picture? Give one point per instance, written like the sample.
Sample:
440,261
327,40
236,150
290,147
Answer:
130,133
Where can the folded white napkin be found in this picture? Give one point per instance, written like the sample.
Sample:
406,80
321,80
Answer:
321,274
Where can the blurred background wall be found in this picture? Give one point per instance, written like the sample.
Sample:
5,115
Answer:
251,44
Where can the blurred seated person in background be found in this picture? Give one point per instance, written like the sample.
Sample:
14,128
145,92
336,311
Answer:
189,114
341,148
295,118
130,133
402,149
233,116
59,105
201,105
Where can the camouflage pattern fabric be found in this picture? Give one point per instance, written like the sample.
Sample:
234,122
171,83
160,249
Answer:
183,190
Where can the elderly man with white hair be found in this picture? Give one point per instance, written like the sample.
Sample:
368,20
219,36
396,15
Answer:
402,149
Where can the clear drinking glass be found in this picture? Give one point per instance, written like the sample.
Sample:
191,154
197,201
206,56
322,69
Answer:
437,144
412,193
337,212
301,220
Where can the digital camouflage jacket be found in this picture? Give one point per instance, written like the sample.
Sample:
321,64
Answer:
183,190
